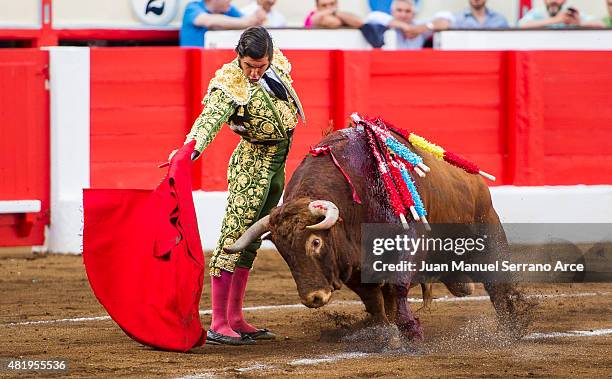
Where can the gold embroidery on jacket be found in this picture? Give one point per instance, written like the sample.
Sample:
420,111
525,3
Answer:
218,108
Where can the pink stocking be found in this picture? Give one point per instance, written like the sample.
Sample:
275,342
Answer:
220,287
234,311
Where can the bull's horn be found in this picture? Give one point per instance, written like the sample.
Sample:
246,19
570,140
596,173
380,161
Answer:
251,234
323,208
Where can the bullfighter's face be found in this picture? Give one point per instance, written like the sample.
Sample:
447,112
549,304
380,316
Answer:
253,68
309,254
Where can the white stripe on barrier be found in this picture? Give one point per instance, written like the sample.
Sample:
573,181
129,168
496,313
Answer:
19,206
70,141
588,204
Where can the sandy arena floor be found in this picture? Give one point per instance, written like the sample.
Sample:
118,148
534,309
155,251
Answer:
461,338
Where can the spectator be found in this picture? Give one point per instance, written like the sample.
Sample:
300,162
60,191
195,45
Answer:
213,14
274,19
556,15
605,22
327,15
478,16
410,35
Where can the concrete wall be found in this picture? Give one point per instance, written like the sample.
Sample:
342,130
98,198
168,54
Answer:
20,14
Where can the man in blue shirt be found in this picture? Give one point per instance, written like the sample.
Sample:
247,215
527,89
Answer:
478,16
213,14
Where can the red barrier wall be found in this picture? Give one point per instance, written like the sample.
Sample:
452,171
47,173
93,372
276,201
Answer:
518,115
454,99
570,120
139,103
24,142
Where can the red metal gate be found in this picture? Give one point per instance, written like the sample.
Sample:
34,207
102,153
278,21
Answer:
24,144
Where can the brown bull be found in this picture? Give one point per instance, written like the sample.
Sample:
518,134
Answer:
317,229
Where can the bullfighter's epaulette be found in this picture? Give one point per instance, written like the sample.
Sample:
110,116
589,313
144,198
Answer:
230,79
281,62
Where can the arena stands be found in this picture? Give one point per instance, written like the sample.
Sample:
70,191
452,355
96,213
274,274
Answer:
122,22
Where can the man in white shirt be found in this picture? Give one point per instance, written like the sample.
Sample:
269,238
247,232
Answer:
274,18
555,15
404,32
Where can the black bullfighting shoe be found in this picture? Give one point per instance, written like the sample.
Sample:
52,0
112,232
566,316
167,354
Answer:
214,338
260,334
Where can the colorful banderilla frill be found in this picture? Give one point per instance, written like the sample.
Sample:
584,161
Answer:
389,168
440,153
395,161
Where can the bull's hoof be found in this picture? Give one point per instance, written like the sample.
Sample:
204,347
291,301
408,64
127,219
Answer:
515,313
411,330
394,340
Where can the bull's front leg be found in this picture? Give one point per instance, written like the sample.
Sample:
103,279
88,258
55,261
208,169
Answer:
375,298
390,295
372,297
406,321
513,310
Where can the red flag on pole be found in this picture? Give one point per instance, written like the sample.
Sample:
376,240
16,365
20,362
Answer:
144,260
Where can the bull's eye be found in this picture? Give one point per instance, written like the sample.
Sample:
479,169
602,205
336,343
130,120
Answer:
314,244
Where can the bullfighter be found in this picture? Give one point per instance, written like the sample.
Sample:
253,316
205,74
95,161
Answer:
253,94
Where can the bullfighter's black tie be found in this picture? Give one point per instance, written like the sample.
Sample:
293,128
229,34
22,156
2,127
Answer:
277,88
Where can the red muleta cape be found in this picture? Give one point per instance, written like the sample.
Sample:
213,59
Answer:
144,259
